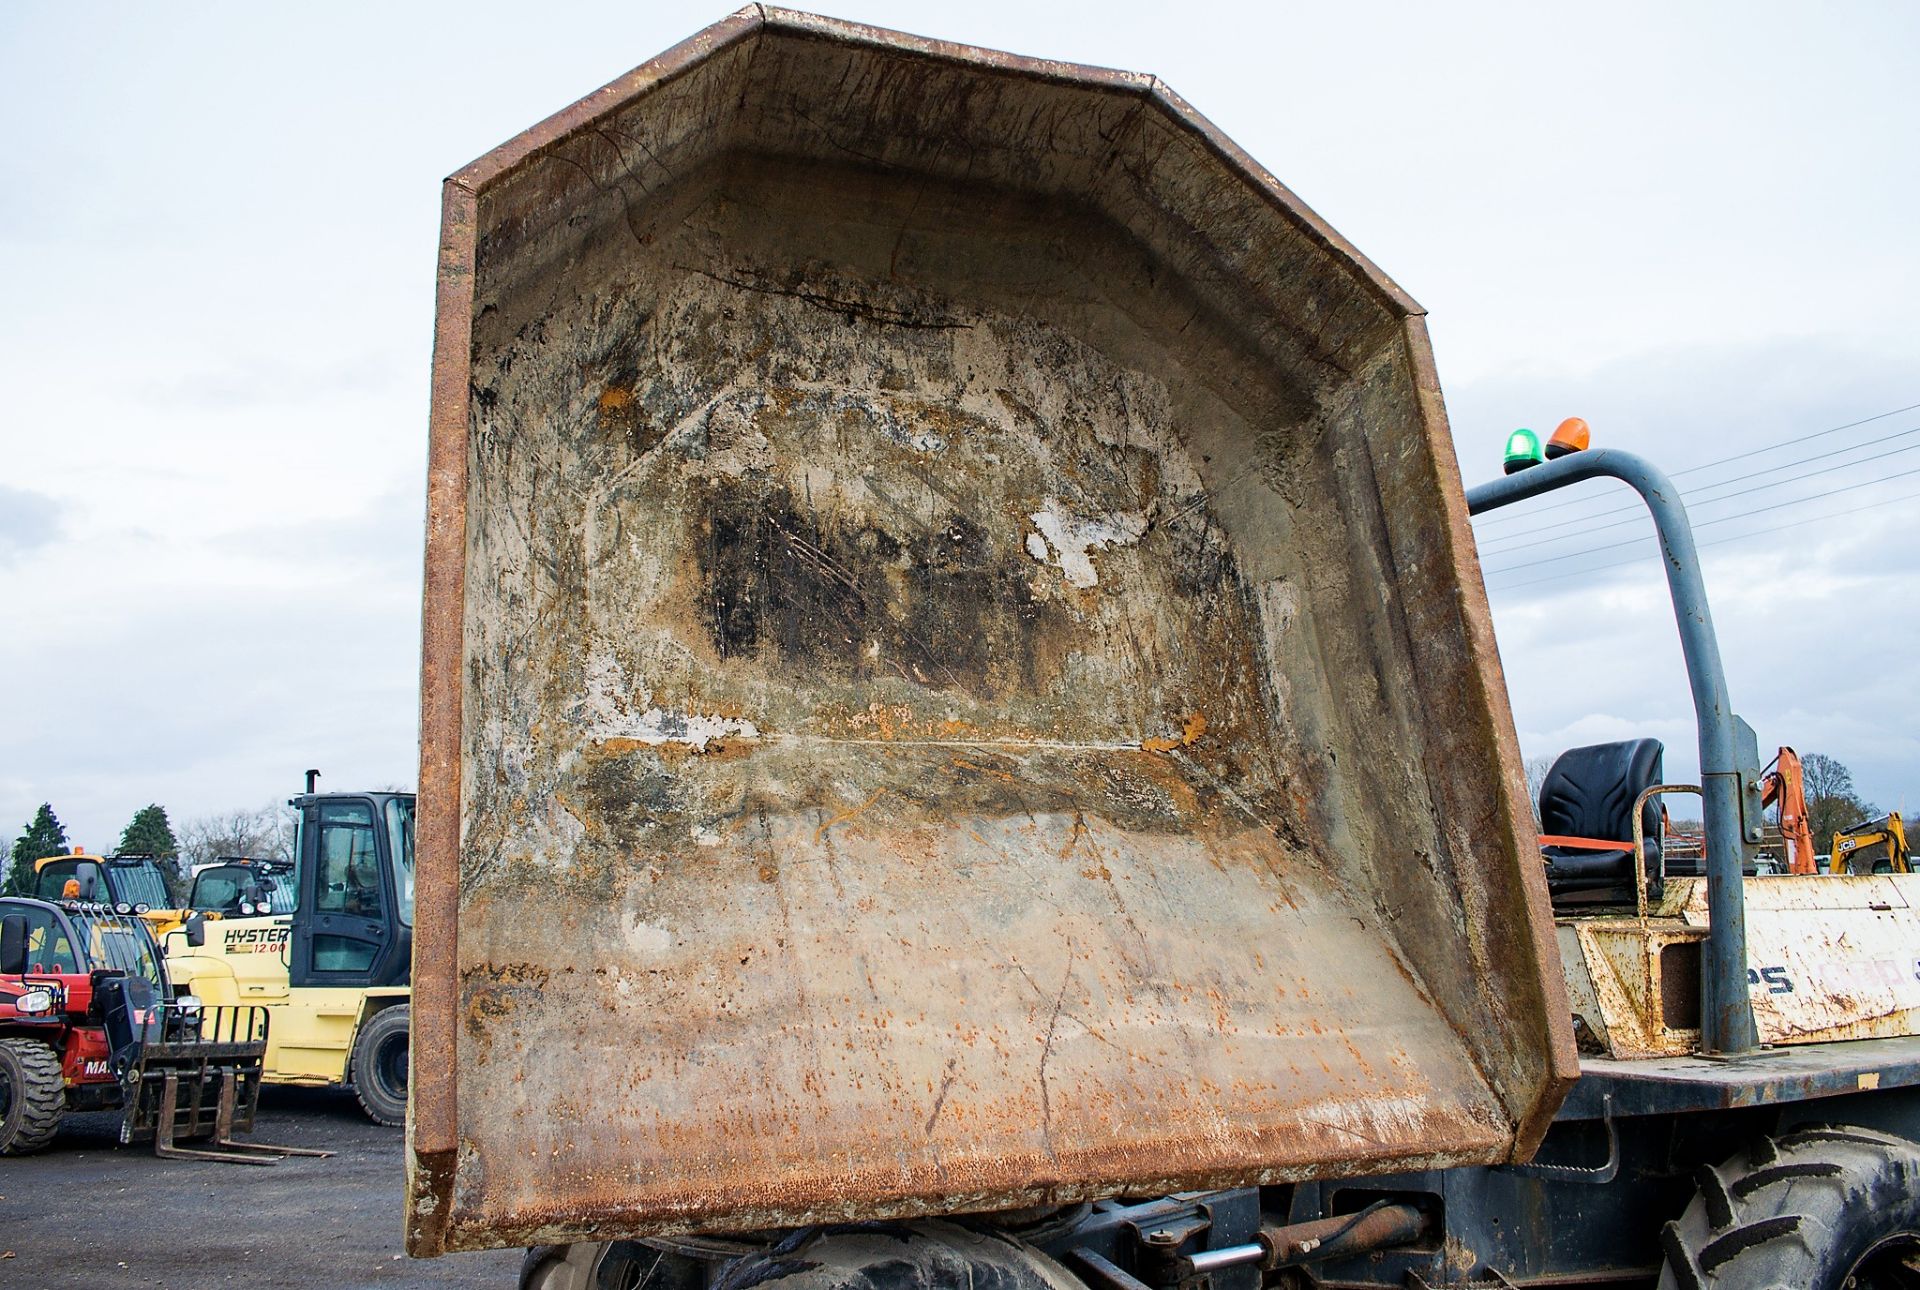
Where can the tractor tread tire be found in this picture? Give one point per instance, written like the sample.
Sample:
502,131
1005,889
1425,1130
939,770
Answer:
1799,1210
382,1105
40,1089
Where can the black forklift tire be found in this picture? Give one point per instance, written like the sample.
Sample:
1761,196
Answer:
38,1095
1820,1208
380,1065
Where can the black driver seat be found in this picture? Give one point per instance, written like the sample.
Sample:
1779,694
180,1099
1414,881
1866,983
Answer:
1589,793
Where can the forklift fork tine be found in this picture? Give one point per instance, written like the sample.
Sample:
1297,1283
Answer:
163,1144
223,1128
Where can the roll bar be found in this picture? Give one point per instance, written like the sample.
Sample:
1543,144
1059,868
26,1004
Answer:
1729,752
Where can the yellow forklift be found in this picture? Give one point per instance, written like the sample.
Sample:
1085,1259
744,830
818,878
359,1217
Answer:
325,944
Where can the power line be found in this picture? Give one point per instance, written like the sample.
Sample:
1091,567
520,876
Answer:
1492,521
1707,501
1634,509
1788,443
1724,519
1732,537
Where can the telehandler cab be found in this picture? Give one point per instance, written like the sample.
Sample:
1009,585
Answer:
89,1022
242,886
323,944
127,884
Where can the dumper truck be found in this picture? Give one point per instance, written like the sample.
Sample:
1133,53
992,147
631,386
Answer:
962,745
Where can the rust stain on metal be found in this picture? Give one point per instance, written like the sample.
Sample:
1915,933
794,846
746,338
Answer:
1831,957
953,677
1190,730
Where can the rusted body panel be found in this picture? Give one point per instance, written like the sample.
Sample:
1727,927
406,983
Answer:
1831,957
954,675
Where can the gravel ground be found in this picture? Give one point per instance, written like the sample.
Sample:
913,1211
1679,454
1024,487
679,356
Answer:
89,1212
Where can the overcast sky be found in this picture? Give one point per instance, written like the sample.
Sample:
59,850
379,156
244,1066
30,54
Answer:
1692,225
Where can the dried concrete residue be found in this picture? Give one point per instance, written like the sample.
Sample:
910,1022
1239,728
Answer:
1074,540
648,939
611,709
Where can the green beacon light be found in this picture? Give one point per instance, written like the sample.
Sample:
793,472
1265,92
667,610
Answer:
1523,450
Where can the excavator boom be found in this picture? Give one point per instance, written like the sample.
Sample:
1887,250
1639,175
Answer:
1785,787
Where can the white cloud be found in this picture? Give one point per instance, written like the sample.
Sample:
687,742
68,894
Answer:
218,241
1813,615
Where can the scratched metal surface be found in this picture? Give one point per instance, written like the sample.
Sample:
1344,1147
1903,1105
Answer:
1832,958
955,675
1835,956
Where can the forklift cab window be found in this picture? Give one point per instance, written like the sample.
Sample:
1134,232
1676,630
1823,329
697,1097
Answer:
400,840
48,949
349,866
225,888
52,882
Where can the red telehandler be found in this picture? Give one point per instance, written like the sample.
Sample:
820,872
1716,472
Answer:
89,1022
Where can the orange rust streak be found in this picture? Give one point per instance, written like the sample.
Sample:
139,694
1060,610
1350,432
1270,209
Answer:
1190,731
964,764
844,816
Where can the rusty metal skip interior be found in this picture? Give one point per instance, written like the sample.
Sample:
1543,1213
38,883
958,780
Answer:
955,670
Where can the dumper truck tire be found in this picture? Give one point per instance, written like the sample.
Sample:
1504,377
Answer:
33,1096
609,1265
1821,1208
870,1256
380,1065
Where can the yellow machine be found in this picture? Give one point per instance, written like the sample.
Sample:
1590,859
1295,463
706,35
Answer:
1873,846
325,944
129,884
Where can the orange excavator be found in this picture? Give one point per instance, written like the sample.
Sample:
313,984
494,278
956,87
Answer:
1782,784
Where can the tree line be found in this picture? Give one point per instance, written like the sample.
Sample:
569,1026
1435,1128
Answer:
265,833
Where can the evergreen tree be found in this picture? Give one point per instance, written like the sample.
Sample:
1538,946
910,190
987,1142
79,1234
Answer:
43,837
150,834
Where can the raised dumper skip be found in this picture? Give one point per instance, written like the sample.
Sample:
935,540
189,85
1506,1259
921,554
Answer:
956,682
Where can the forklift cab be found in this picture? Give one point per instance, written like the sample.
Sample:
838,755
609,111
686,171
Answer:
353,912
242,887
